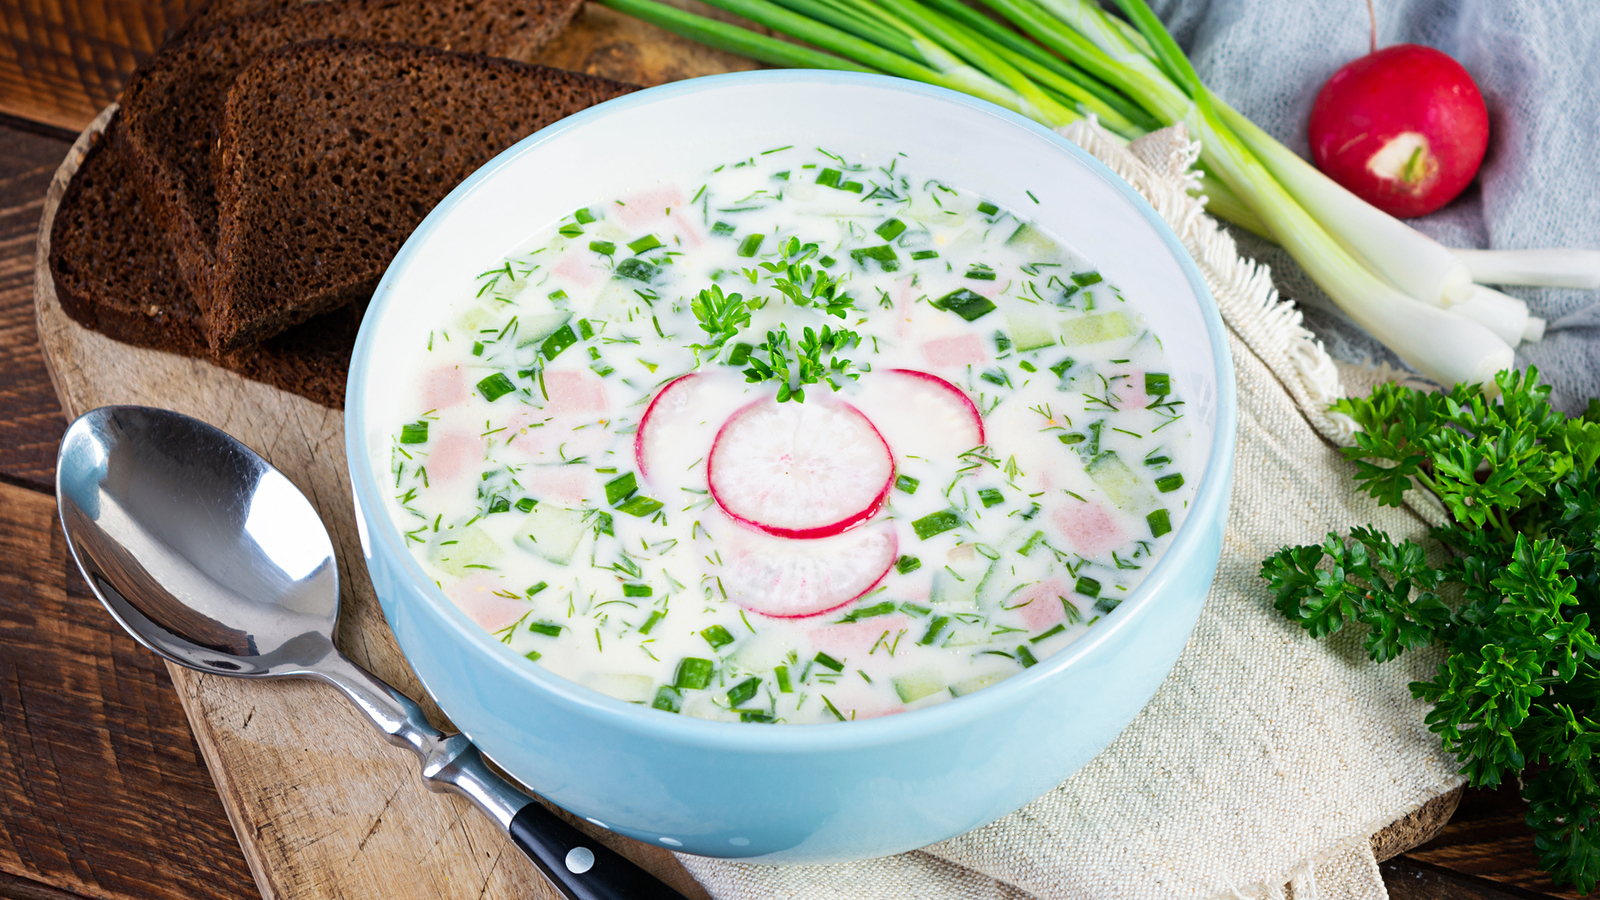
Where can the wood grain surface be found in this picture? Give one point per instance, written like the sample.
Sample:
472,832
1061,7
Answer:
102,791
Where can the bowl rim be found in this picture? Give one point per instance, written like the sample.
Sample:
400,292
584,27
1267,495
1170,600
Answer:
1211,499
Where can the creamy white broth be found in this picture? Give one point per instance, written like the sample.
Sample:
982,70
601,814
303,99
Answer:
985,470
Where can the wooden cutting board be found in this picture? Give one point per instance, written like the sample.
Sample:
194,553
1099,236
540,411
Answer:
322,807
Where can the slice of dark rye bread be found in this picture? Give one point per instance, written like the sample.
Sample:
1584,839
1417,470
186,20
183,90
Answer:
114,273
333,152
173,104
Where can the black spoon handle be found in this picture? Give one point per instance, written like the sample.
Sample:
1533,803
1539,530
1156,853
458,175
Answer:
581,867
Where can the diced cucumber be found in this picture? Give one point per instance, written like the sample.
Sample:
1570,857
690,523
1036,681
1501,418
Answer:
552,532
458,550
958,582
1029,332
1118,481
615,302
476,319
913,686
631,688
1034,242
1095,329
533,329
962,688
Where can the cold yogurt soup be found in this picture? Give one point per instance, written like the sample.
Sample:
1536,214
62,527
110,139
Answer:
804,438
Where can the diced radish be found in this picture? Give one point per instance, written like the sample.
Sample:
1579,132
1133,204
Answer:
966,350
800,470
1089,528
574,392
680,425
920,414
788,579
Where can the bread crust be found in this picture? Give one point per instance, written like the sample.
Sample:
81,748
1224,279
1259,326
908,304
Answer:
173,106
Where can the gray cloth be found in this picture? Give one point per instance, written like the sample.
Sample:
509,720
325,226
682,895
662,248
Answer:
1538,65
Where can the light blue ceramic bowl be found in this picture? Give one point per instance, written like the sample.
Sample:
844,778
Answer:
792,793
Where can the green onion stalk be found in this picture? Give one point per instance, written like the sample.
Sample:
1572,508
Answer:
1069,59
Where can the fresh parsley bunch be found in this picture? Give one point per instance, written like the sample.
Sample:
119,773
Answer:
805,285
721,316
1511,598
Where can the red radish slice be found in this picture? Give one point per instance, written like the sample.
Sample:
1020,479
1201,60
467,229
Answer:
800,470
679,426
919,414
788,579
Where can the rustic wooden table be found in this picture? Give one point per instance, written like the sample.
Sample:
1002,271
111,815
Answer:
103,792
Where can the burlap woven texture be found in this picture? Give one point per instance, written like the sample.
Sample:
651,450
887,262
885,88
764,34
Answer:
1266,760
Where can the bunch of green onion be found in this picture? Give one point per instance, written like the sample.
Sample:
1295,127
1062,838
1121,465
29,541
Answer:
1063,60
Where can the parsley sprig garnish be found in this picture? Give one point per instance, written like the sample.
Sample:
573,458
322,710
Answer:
721,316
804,284
1511,598
795,365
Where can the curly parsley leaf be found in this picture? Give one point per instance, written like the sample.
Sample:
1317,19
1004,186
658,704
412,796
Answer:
1520,560
721,316
811,360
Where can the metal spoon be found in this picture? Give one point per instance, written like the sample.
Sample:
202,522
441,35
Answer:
209,556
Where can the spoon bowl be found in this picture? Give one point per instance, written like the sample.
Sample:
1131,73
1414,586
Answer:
199,548
209,556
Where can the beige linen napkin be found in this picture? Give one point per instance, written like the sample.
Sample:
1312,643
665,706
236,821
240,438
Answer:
1266,760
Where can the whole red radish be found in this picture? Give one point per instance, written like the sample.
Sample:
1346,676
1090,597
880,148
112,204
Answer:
1404,128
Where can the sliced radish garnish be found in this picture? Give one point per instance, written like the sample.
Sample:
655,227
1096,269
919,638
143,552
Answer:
800,470
679,426
788,579
919,414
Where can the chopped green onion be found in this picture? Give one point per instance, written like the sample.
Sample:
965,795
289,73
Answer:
925,254
637,269
637,590
1156,384
1026,657
828,662
905,565
1087,586
902,483
668,699
583,216
648,242
655,617
526,504
781,674
640,506
883,255
621,488
604,248
693,673
414,434
750,245
743,691
869,612
890,230
722,228
495,386
532,655
1060,368
988,208
964,303
935,628
1166,484
717,636
1160,522
1084,279
991,497
936,523
1107,604
548,629
559,340
535,589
